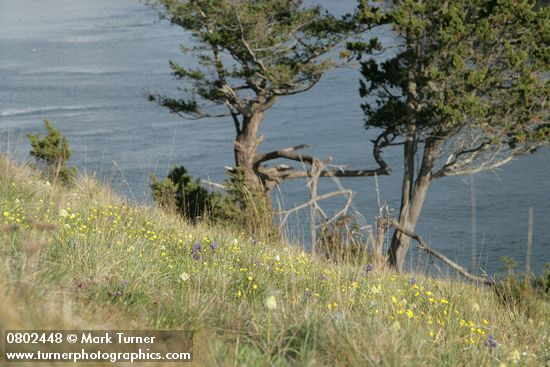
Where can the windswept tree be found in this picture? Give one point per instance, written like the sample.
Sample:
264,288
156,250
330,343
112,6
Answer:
251,53
467,91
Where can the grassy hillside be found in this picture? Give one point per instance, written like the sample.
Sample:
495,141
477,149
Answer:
84,258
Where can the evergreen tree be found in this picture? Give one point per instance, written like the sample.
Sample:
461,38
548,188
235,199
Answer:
250,54
467,91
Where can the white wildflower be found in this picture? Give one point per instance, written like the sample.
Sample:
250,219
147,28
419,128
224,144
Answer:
184,276
271,303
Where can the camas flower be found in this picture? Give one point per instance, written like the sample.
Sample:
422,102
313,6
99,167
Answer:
490,342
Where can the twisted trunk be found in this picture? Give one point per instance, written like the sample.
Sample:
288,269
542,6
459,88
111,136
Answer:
246,147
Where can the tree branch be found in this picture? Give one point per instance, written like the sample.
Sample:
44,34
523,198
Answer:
464,167
422,245
280,173
310,202
260,158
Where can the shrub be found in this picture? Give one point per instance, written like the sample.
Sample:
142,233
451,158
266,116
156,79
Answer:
255,214
52,153
519,293
180,193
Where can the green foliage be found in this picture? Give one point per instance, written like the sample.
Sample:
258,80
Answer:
255,214
519,296
509,264
164,193
520,293
53,153
465,90
465,68
179,193
543,281
244,208
273,45
262,48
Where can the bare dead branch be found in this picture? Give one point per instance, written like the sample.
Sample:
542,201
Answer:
343,211
422,245
455,157
318,168
467,166
280,173
287,213
260,158
214,184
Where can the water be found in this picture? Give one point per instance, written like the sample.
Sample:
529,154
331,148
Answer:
88,65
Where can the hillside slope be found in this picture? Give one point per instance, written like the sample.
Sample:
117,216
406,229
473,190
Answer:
83,258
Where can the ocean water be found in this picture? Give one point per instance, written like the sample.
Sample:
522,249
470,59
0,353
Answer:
89,65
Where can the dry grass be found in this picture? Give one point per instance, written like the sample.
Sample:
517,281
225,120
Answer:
106,265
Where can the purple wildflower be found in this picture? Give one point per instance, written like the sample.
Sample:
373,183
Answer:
195,251
369,268
124,283
214,245
115,294
412,281
490,342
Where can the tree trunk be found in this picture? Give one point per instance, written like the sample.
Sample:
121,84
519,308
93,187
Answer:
253,195
246,147
407,219
412,205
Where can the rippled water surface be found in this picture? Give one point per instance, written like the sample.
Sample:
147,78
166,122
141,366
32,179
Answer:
88,65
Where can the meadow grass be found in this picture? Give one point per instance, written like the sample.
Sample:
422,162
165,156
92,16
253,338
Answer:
109,264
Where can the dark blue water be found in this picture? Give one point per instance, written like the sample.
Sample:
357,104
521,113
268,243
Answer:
88,65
